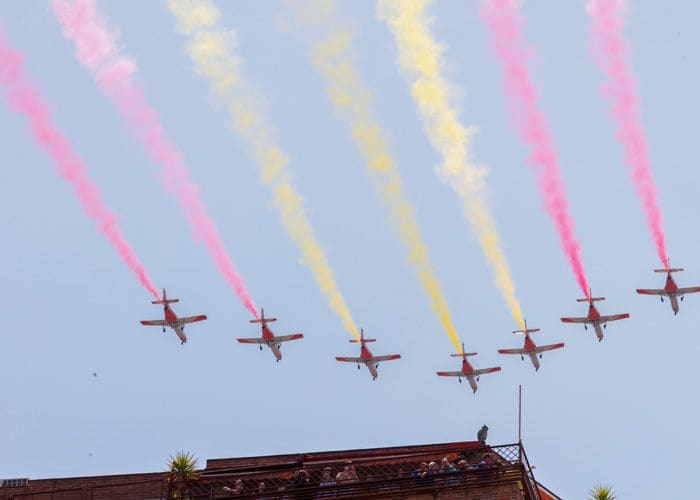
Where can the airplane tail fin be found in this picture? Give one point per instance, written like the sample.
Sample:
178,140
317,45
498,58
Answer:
169,301
262,318
592,299
362,338
671,270
165,299
526,332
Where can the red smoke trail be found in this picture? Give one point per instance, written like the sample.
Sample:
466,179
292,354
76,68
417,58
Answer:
24,98
96,47
611,51
506,25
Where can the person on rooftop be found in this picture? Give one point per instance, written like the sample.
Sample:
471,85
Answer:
327,477
421,474
446,466
348,474
300,480
325,482
238,488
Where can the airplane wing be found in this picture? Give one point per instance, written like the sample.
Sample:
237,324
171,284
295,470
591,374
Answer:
576,320
155,322
451,374
614,317
256,340
389,357
550,347
512,351
191,319
287,338
691,289
349,359
660,291
476,373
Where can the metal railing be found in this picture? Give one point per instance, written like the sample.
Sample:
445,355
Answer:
389,475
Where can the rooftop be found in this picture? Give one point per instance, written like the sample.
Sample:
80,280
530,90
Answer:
465,469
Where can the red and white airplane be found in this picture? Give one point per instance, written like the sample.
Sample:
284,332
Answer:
366,356
268,338
670,290
594,318
468,370
171,320
530,348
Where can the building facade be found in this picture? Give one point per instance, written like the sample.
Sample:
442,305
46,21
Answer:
463,470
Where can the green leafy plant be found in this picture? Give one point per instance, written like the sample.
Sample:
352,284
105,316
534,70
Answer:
602,492
182,472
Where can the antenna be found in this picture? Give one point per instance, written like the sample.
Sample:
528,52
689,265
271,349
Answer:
520,413
520,422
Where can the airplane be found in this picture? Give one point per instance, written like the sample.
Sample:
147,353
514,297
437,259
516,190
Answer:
366,356
594,318
268,338
468,370
171,320
530,348
670,289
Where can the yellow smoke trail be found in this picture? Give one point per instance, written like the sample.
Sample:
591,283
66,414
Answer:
419,56
212,52
350,95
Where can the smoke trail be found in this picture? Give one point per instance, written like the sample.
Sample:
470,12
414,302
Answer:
611,51
212,52
351,96
96,47
419,57
25,99
506,25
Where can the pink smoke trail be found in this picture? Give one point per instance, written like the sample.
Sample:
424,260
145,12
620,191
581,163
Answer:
24,98
96,47
611,51
506,26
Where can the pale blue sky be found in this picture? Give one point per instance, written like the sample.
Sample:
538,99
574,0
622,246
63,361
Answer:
620,412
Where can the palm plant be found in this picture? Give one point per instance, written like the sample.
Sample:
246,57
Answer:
602,492
182,471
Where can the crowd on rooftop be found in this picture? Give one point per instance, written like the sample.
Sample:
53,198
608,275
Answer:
321,483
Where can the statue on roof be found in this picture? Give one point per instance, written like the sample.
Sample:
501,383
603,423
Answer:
481,435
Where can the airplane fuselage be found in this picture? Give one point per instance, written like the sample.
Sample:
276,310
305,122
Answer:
472,382
598,330
671,292
535,361
594,321
372,370
467,370
531,347
366,356
270,341
171,322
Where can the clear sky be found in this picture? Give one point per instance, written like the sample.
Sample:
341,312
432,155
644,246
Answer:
620,412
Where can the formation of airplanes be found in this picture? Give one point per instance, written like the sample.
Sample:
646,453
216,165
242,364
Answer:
594,319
